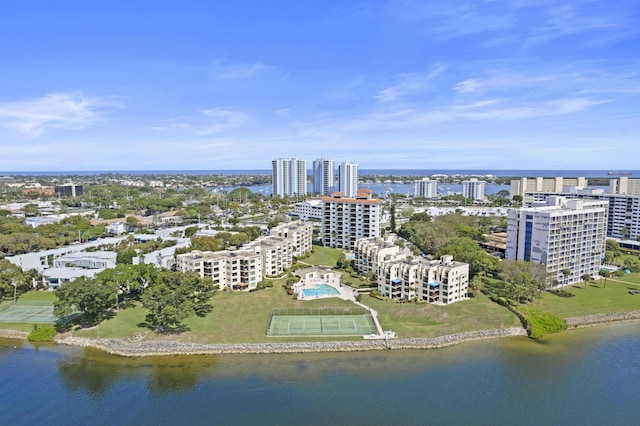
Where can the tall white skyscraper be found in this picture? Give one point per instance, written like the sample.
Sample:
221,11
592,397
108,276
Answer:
473,188
426,188
324,176
289,177
348,174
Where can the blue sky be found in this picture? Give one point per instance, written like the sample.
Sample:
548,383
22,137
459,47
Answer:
488,84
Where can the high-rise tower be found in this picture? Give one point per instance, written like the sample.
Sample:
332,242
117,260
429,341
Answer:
289,177
324,176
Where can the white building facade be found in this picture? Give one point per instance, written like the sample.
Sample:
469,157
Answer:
324,176
425,188
567,236
440,282
345,220
243,269
473,189
348,174
308,210
289,177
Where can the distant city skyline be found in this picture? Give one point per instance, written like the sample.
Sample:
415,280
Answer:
396,84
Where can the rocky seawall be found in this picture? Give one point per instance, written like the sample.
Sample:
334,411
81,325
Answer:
13,334
159,347
601,319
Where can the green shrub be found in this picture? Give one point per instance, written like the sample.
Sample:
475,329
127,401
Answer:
542,323
562,293
42,333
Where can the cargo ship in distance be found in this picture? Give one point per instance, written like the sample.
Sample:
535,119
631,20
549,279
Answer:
619,173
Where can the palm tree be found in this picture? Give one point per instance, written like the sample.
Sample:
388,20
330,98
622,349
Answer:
565,274
476,284
605,274
586,278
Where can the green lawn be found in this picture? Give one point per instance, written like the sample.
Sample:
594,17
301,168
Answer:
594,299
45,297
323,256
426,320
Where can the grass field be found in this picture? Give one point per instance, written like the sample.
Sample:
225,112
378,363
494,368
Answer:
594,299
323,256
236,318
425,320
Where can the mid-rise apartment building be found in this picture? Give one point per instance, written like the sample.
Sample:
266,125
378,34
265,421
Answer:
345,219
542,184
237,270
623,217
348,175
243,269
324,176
473,189
69,190
566,235
289,177
370,252
440,282
425,188
307,210
624,185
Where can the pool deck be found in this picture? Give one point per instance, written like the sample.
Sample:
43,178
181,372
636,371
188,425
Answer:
345,292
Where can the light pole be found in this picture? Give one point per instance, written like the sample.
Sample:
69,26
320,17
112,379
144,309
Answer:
15,288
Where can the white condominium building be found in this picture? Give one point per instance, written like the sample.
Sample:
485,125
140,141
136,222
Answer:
348,174
324,176
310,209
473,189
344,219
623,218
243,269
237,270
435,281
425,188
567,236
370,252
289,177
300,234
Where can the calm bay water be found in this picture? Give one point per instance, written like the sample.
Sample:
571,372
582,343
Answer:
581,377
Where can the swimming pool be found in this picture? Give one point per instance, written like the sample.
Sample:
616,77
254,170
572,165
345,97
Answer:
320,290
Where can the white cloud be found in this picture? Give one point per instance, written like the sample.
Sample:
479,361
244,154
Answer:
409,84
74,111
211,121
222,70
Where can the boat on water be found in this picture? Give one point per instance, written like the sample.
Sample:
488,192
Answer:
619,173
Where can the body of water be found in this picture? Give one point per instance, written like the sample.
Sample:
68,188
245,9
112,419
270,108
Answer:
362,172
584,377
382,190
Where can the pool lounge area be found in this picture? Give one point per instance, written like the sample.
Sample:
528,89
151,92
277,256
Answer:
316,283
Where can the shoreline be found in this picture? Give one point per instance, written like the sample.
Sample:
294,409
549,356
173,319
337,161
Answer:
125,348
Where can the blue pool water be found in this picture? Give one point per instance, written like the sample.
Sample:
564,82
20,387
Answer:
321,290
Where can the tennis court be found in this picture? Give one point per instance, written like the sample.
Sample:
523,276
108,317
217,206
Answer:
321,324
26,313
